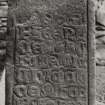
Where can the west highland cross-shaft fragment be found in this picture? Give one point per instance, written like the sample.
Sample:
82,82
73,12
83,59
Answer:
49,52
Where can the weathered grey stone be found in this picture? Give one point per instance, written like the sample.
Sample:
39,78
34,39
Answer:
100,84
3,32
50,53
100,14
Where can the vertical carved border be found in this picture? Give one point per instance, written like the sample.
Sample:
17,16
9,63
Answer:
9,66
9,83
91,51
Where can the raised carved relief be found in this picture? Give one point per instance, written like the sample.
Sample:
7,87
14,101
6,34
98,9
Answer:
36,48
47,34
20,91
33,91
47,90
50,53
22,47
69,33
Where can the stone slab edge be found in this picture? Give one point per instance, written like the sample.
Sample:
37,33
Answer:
91,50
9,66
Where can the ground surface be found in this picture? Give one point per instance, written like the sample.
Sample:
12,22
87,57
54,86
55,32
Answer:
2,89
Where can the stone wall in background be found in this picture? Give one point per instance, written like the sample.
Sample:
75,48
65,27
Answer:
100,52
3,32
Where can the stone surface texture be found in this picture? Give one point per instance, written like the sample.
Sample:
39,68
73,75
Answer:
50,56
48,46
2,89
100,52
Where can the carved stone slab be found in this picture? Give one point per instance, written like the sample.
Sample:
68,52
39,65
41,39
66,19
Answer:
49,53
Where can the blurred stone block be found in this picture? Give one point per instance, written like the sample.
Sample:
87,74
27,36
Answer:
100,14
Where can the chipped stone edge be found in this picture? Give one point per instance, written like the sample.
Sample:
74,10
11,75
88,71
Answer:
9,84
9,66
91,50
